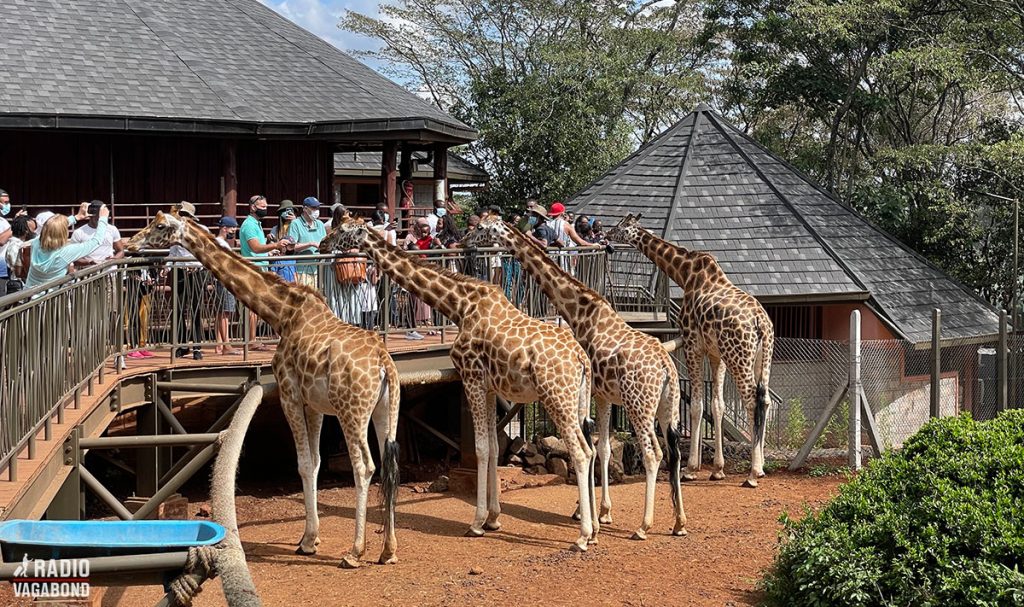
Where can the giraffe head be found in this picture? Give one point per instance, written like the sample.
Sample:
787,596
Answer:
627,231
350,234
165,230
490,232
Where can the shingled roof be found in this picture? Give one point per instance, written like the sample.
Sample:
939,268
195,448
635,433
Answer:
215,66
705,185
368,164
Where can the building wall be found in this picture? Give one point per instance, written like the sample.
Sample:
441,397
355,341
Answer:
836,323
143,174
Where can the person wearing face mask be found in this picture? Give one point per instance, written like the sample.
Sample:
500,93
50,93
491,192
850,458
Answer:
306,232
537,224
227,228
282,266
435,216
5,235
254,244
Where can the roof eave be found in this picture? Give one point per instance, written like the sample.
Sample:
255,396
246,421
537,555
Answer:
411,128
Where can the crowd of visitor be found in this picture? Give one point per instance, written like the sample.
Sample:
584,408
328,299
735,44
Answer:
36,251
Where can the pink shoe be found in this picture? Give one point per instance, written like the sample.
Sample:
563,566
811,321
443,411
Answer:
135,355
146,354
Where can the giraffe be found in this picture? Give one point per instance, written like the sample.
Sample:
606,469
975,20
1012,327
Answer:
322,365
718,320
629,367
499,350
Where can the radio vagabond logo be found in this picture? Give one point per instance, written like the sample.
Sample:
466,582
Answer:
52,578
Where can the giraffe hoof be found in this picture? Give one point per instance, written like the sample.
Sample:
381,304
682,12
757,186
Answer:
576,515
680,532
579,546
760,474
688,476
388,560
592,541
639,534
350,562
605,519
471,532
306,551
750,483
492,526
717,475
316,542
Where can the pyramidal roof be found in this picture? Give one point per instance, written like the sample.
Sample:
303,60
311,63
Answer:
705,185
200,65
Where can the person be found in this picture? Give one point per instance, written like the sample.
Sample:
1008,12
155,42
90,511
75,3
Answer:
5,235
227,227
51,255
284,267
111,247
584,229
538,228
254,246
420,239
369,293
334,209
565,234
495,258
473,223
21,234
343,298
448,234
598,231
406,203
434,217
307,232
191,285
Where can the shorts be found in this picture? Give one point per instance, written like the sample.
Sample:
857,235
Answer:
228,303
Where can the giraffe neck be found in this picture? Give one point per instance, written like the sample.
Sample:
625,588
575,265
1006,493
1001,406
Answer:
260,291
439,289
688,269
567,294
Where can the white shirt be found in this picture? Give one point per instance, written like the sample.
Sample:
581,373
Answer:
177,250
433,220
4,225
106,249
11,255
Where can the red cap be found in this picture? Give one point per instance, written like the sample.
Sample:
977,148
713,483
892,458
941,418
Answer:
556,209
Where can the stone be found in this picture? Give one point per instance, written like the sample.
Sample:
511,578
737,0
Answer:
557,465
439,486
503,442
203,511
538,469
535,460
529,449
553,445
515,460
475,571
517,445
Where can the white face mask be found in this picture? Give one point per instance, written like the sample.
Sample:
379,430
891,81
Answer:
440,211
314,214
387,217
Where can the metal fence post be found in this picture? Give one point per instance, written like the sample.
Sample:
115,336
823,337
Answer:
1002,382
853,393
174,310
936,362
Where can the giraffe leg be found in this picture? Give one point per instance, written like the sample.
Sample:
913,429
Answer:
717,410
652,458
604,449
695,369
294,413
668,418
384,424
314,424
362,471
493,487
748,394
478,397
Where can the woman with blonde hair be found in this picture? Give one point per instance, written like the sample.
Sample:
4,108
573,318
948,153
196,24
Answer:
51,253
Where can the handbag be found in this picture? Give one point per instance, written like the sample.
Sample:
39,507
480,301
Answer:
350,270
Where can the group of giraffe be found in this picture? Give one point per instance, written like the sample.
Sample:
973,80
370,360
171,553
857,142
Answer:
326,366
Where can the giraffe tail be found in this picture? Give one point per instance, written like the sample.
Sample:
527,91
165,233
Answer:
670,398
391,392
761,402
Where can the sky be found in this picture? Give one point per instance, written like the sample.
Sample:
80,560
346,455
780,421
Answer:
322,16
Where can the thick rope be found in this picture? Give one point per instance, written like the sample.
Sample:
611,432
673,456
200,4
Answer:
200,566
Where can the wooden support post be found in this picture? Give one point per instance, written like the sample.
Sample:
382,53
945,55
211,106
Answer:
936,362
1001,353
854,391
819,427
388,177
229,203
440,171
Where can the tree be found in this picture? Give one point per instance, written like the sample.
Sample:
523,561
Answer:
559,90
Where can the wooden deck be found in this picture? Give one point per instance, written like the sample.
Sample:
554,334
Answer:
39,478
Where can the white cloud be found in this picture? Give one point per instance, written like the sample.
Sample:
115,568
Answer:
322,16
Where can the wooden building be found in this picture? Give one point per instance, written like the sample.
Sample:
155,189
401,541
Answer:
211,101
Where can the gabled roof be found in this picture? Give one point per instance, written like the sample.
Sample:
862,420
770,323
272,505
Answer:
705,185
368,164
232,66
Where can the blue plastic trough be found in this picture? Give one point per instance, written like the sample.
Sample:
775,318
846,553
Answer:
88,539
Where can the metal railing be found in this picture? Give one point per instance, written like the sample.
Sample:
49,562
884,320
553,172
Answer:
57,339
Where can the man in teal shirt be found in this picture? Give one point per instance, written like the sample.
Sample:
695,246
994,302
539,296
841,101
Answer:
254,244
307,231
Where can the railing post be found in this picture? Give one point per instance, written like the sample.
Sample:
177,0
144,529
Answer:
936,363
853,393
174,310
1001,376
385,322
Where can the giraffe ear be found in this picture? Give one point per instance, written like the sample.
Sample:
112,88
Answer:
159,216
638,216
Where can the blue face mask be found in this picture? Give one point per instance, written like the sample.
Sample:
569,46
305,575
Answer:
440,212
6,209
532,220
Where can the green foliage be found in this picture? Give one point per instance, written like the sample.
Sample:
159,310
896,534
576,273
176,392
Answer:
795,432
940,522
820,470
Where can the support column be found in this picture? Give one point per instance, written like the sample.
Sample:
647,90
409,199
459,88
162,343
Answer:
1001,376
854,392
440,171
936,363
229,202
388,177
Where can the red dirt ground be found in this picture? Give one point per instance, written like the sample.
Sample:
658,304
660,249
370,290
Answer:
733,535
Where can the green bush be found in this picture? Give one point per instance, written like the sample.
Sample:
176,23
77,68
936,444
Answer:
940,522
